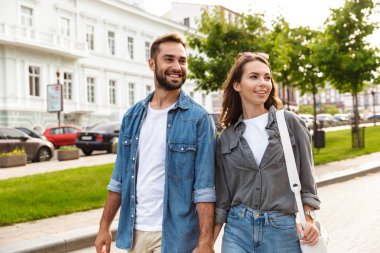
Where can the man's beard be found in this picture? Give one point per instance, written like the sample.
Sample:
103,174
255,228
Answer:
164,83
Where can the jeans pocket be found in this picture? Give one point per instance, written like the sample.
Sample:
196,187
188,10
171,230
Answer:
283,222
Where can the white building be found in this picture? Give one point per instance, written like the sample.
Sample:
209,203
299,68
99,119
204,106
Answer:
100,48
368,99
190,14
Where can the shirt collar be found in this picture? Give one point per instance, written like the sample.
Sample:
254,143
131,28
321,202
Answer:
183,101
271,118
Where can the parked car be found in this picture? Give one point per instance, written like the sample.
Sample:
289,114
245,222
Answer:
373,116
30,132
62,135
99,137
37,149
341,117
308,119
215,117
325,119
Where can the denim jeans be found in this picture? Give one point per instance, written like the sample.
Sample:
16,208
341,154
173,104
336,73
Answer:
251,231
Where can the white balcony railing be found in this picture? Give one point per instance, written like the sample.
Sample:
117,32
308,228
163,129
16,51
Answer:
42,40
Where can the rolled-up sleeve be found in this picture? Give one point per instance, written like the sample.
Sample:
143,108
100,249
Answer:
116,179
223,196
204,184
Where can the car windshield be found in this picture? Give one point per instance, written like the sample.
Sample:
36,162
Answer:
105,127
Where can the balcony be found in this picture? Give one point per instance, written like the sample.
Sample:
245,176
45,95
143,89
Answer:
49,42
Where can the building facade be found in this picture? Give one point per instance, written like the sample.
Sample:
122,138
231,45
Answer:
99,48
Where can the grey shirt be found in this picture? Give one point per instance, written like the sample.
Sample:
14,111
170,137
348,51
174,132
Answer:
264,186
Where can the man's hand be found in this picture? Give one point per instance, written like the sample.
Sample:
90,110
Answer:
204,248
103,242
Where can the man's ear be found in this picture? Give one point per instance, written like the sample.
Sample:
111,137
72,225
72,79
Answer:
152,64
236,86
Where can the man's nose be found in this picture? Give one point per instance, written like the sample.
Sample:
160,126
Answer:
176,65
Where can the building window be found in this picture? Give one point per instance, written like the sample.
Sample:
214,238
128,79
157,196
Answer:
111,42
131,93
26,16
34,81
186,21
65,26
148,90
90,89
147,50
90,36
112,92
203,99
67,86
130,47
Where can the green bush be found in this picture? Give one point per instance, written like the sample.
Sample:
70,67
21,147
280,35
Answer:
16,151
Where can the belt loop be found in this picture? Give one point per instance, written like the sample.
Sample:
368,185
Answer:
266,218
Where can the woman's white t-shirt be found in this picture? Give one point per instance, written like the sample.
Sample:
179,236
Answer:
257,136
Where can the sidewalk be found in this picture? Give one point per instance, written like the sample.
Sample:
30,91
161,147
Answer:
75,231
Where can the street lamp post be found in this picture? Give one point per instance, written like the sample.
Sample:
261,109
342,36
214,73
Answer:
374,107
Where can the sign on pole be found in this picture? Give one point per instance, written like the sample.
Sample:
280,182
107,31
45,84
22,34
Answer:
54,98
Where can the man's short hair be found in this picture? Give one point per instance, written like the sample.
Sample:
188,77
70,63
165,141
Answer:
173,37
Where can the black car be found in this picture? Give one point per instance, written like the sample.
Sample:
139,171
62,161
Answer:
37,149
99,137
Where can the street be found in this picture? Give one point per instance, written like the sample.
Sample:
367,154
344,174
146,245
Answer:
350,212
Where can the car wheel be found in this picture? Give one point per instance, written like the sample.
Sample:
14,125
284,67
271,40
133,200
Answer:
109,149
43,154
87,151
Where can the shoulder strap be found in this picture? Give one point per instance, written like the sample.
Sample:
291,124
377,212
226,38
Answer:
291,167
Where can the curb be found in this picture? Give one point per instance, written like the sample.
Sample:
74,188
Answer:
344,175
58,243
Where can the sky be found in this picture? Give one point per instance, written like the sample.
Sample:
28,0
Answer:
311,13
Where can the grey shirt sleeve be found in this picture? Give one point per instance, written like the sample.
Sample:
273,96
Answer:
223,198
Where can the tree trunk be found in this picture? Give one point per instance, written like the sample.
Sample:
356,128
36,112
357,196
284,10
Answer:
357,138
315,127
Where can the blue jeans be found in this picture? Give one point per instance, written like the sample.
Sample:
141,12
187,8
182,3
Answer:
250,231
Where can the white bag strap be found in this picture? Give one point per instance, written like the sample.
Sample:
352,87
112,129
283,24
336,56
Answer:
294,180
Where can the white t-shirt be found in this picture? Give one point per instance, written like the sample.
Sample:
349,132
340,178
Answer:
257,136
151,170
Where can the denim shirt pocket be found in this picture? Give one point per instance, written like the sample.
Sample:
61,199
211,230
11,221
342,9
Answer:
181,161
126,149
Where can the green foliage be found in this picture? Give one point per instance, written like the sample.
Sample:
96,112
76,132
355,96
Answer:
306,109
338,146
52,194
16,151
68,148
329,109
217,44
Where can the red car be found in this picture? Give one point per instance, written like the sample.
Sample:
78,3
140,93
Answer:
62,135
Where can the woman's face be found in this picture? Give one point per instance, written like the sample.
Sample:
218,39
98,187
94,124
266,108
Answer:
255,85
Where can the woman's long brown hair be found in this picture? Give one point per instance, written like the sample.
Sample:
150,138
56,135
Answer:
231,105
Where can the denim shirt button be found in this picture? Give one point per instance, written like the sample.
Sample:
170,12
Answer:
182,149
169,125
125,142
133,158
137,138
133,177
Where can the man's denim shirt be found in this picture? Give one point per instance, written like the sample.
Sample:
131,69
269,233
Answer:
189,172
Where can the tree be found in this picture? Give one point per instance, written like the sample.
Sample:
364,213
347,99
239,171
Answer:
309,75
283,47
217,43
348,59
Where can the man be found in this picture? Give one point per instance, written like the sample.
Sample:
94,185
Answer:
164,172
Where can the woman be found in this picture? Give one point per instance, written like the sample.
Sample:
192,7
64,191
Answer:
254,198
